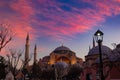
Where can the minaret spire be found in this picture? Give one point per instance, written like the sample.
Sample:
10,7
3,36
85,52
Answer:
35,53
89,48
27,38
93,42
62,44
27,45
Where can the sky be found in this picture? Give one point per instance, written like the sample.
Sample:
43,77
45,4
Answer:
51,23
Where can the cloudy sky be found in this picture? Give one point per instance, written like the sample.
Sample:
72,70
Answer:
51,23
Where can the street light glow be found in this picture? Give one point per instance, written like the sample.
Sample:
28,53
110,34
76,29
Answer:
98,34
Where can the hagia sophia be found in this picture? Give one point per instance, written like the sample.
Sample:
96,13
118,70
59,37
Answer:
111,58
60,54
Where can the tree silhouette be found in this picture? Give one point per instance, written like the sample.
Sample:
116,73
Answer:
74,72
13,60
6,35
2,68
35,72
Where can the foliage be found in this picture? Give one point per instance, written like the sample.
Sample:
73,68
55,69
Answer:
35,72
74,72
48,74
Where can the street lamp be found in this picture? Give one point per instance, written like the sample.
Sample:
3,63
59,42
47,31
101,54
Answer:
99,38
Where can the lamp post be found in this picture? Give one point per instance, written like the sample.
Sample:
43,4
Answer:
99,38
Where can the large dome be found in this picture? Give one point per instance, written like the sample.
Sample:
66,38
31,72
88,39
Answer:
105,50
62,48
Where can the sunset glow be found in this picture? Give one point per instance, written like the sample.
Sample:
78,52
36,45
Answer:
51,23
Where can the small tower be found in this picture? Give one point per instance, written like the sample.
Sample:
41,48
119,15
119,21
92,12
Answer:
89,47
27,45
35,54
93,42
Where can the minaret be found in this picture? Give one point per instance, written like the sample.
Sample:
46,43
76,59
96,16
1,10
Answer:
89,48
93,42
35,54
27,45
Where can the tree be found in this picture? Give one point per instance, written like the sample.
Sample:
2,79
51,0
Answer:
74,72
61,69
35,71
47,74
6,35
2,68
13,60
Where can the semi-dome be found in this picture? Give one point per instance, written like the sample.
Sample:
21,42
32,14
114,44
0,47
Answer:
62,48
105,50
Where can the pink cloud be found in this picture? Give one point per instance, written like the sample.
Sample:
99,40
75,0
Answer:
86,19
62,23
118,0
21,30
106,8
42,1
58,23
41,49
23,8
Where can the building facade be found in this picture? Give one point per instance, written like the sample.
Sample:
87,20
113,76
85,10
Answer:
111,60
62,54
111,63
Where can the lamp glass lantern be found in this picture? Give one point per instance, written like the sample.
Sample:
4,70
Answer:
98,36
